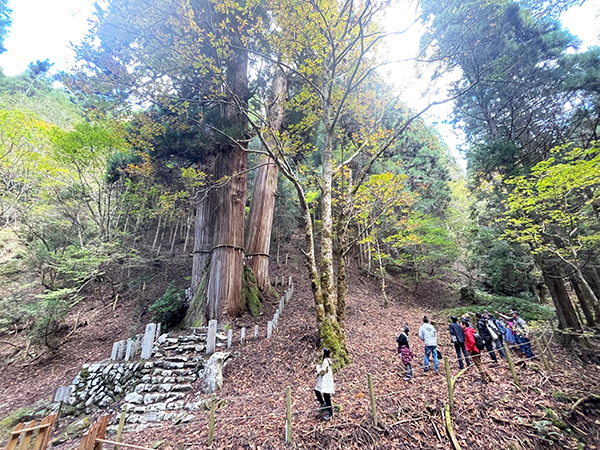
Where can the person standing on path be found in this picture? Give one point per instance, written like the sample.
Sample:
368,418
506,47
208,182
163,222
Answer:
325,385
497,335
474,351
521,332
428,335
406,355
485,335
457,336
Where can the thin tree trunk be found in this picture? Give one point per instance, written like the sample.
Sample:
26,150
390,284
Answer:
157,232
583,301
260,221
187,232
381,272
589,293
174,237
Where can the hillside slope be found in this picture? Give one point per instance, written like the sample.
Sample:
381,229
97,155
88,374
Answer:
252,409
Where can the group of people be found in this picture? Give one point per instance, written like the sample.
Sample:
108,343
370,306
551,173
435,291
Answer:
490,335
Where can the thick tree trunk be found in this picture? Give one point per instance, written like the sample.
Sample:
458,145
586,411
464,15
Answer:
222,213
260,221
567,317
583,301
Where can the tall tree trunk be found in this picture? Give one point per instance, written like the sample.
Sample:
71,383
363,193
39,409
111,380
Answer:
567,317
583,301
588,292
260,221
224,288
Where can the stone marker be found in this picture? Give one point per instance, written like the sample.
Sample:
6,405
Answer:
229,338
211,338
290,281
121,350
148,341
256,332
269,329
115,351
158,327
212,378
275,319
62,394
130,352
243,336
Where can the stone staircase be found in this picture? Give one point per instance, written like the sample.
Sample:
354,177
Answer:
159,389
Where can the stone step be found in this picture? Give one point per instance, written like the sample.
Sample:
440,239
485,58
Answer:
177,417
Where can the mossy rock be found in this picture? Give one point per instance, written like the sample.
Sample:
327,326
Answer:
74,430
23,414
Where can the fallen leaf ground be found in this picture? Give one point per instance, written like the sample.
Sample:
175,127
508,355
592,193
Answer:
252,406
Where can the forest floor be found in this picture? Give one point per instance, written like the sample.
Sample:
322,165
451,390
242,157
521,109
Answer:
543,413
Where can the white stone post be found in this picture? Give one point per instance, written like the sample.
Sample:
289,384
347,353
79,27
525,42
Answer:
211,337
243,336
115,351
256,332
130,352
290,281
229,338
269,329
148,341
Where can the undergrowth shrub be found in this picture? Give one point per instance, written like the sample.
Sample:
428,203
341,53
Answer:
529,310
169,309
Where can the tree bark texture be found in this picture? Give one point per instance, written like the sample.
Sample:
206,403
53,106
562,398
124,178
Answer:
567,317
583,301
262,207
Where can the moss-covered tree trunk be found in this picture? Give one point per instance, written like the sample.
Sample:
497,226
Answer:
262,207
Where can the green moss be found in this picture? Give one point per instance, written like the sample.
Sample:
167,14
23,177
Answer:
332,338
251,298
21,415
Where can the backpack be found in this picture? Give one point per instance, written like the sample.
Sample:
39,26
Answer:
478,342
501,327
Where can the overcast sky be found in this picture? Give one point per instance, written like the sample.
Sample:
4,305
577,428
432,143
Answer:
46,29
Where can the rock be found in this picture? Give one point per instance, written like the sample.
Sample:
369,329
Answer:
165,387
188,387
176,405
212,379
74,430
162,338
134,398
93,368
157,407
187,419
177,359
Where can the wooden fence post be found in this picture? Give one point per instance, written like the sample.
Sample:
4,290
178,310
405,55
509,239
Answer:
548,349
449,382
288,428
511,364
542,354
121,426
211,419
373,406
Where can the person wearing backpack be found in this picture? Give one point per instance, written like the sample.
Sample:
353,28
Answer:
457,336
482,328
428,335
406,354
495,333
475,350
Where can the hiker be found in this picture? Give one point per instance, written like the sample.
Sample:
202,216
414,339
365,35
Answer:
325,387
510,337
406,354
485,335
475,351
428,335
497,331
457,336
467,317
520,331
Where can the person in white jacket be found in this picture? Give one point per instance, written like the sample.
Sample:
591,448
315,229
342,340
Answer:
325,386
428,335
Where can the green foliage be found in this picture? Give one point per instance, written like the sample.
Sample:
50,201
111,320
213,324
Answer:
22,414
170,308
48,313
527,309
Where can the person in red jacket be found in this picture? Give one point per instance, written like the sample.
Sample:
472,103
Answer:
474,351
